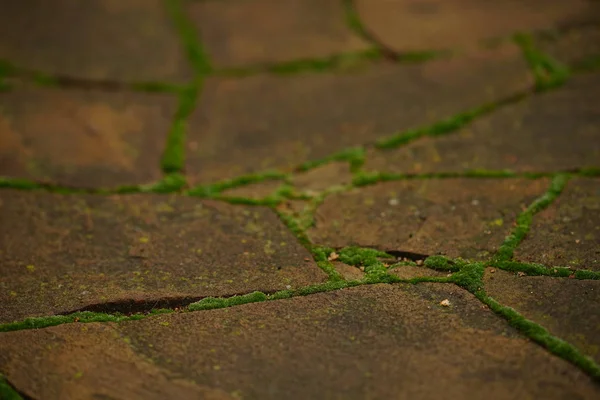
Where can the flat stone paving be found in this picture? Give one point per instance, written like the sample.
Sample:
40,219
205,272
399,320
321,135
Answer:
257,199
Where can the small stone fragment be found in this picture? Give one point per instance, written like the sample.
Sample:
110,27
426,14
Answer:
333,256
521,273
419,262
445,303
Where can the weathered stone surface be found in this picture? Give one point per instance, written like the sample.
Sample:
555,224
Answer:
411,271
60,253
111,40
383,341
348,272
281,30
83,138
553,131
457,217
575,48
408,25
568,308
269,121
255,191
323,177
568,232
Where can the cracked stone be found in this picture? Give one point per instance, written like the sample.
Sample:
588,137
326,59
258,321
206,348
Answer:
575,48
567,233
283,30
266,122
88,139
357,335
557,130
433,216
413,26
138,251
568,308
132,40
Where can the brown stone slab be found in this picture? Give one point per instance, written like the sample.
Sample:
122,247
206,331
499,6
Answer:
552,131
278,122
61,253
112,40
409,25
567,233
374,342
568,308
334,174
81,138
466,218
247,32
411,272
575,48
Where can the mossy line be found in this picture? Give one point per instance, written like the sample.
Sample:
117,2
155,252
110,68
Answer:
190,37
217,188
540,335
7,392
171,183
524,220
447,125
208,303
548,72
541,270
355,156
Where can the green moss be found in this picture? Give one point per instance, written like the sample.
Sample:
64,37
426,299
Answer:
170,183
523,224
294,226
173,158
359,256
469,277
211,303
591,172
190,37
541,336
353,20
214,189
355,156
6,391
588,64
531,269
43,322
548,72
441,263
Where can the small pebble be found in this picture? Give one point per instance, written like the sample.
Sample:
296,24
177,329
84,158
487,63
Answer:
475,202
445,303
333,256
419,262
393,202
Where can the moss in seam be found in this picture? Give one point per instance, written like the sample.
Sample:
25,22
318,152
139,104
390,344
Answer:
354,155
173,158
441,263
84,316
507,249
541,336
358,256
548,72
216,188
470,277
6,390
210,303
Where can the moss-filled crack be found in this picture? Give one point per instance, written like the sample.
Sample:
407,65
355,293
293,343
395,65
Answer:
9,392
524,220
548,72
214,189
541,270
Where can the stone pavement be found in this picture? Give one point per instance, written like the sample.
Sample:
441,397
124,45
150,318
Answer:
316,199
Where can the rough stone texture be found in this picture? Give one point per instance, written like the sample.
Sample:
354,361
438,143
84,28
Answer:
323,177
111,40
348,272
575,48
568,232
553,131
83,138
466,218
410,272
281,30
60,253
409,25
351,343
269,121
254,191
568,308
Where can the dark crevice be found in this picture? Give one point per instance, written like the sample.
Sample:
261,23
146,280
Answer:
400,254
23,396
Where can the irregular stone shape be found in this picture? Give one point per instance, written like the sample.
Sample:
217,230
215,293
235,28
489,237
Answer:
278,122
323,177
366,342
411,271
576,48
553,131
409,25
255,191
61,253
246,32
568,232
568,308
110,40
466,218
88,139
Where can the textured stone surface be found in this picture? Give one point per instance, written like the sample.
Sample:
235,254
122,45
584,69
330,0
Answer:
456,217
568,308
61,253
577,48
324,177
351,344
568,232
553,131
254,191
268,121
409,25
280,30
411,271
83,138
113,40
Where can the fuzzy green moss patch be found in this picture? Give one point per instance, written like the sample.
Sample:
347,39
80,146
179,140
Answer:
548,72
210,303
